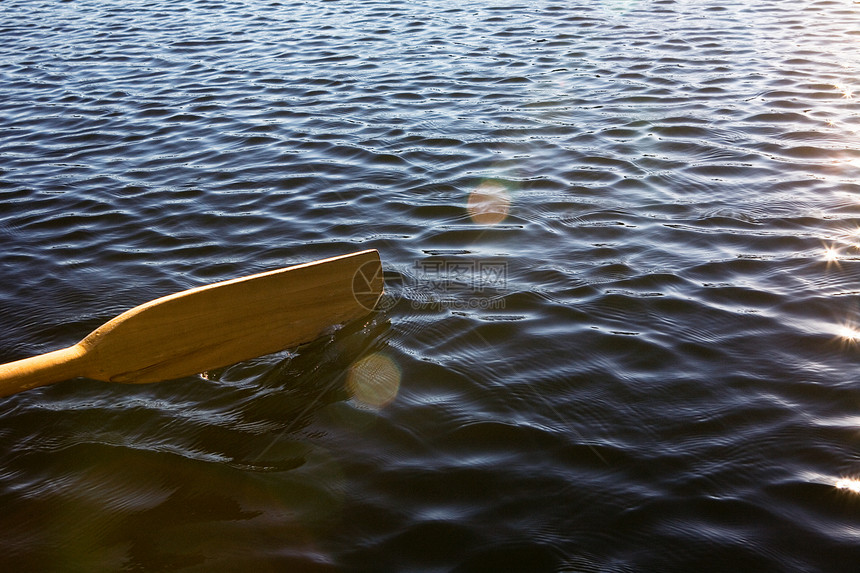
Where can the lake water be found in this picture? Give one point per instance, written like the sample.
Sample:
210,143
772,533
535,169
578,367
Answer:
622,250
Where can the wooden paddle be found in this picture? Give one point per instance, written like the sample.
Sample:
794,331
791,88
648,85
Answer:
212,326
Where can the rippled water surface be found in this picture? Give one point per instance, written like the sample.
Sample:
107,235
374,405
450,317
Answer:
622,253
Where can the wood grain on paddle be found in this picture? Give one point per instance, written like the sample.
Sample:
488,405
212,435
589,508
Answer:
212,326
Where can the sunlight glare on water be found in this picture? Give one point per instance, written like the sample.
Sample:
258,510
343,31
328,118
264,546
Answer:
619,241
849,484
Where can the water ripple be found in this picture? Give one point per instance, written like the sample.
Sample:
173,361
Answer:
620,242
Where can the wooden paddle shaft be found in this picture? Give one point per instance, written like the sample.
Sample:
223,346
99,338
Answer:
40,370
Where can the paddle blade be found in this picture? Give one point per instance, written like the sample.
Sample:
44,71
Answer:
227,322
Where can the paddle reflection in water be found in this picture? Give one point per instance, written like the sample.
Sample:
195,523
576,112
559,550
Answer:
174,480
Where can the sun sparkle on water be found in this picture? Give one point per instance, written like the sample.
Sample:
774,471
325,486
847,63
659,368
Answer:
850,484
847,91
849,333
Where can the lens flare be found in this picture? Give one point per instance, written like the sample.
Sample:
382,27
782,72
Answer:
374,381
489,203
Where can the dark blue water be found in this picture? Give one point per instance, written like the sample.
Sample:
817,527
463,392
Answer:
621,243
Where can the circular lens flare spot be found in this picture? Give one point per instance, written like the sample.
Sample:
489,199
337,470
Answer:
374,380
489,203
